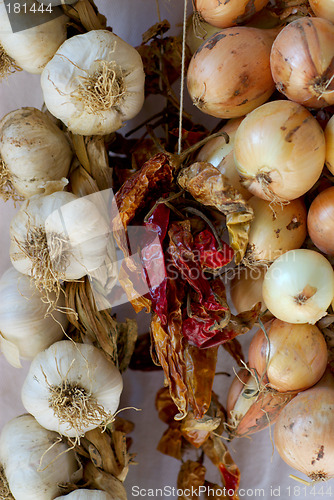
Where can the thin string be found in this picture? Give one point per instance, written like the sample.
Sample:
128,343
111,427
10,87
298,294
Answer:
179,148
158,10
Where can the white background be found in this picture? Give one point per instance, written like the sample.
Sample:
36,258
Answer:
260,466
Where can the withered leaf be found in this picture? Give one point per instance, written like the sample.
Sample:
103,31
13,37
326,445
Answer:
156,30
127,334
191,477
101,480
208,186
171,442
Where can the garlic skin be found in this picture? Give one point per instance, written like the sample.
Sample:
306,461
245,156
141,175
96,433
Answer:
83,494
118,95
72,234
33,149
22,445
31,48
68,376
25,330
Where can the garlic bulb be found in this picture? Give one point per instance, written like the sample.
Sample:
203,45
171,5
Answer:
94,83
58,237
29,45
33,150
25,327
87,495
72,388
35,460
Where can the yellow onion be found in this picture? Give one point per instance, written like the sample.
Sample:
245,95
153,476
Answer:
198,31
279,151
294,360
276,230
329,136
320,221
246,288
221,155
249,410
299,286
229,75
304,432
301,62
323,8
228,13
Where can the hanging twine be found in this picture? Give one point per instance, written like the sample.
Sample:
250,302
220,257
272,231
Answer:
179,148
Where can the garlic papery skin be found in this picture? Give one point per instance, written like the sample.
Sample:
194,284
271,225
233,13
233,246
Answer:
33,151
72,388
25,326
83,494
35,460
31,48
94,83
58,237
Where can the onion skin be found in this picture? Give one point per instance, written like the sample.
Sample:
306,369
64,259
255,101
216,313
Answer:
221,156
246,289
299,286
304,433
297,359
275,231
279,151
323,8
329,136
320,221
263,410
198,32
230,13
302,62
229,75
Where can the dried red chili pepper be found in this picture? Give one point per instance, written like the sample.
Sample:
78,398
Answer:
181,249
210,256
154,178
201,368
168,343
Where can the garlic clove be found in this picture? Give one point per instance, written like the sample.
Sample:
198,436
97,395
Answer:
78,375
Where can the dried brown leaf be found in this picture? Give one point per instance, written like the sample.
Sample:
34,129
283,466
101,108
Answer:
191,477
171,443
